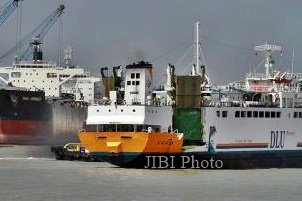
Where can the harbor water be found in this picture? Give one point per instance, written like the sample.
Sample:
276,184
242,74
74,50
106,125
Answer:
30,173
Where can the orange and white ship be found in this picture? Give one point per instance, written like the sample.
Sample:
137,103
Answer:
131,123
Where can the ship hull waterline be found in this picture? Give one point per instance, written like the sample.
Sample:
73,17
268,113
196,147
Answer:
138,154
205,160
22,131
126,146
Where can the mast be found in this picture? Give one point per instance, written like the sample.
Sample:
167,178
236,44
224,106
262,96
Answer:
196,49
268,49
169,84
37,50
68,54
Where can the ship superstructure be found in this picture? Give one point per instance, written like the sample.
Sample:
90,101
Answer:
58,112
251,123
53,80
256,122
125,128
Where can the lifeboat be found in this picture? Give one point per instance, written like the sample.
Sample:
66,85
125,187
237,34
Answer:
280,80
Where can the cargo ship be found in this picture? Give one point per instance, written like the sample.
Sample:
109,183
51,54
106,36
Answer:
42,103
253,123
125,127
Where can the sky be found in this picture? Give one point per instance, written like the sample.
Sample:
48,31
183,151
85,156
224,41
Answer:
120,32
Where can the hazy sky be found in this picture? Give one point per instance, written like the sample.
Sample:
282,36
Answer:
119,32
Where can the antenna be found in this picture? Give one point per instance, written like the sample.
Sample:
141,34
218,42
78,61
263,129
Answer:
268,49
68,54
196,51
293,61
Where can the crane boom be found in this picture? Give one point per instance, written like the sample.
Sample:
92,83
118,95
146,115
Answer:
39,32
8,10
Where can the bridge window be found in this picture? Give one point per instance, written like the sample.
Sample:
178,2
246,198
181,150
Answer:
64,75
16,74
224,114
261,114
51,75
218,113
255,114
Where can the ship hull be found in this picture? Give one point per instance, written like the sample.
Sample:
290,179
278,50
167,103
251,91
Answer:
26,117
206,160
121,148
22,131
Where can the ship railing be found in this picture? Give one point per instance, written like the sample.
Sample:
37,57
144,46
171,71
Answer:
240,104
154,102
256,76
99,101
25,64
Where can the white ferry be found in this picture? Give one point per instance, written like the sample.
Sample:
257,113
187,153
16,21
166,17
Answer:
256,122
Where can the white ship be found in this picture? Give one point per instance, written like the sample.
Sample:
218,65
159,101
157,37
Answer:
66,93
257,120
252,123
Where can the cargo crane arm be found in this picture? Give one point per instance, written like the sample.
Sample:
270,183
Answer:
8,9
39,32
43,28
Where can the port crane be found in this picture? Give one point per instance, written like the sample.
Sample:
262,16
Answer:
8,9
38,33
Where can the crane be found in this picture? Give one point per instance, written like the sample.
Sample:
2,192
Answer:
8,9
39,32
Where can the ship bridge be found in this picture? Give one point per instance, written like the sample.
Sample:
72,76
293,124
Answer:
39,76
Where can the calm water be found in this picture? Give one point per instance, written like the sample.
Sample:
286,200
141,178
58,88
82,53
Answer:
30,173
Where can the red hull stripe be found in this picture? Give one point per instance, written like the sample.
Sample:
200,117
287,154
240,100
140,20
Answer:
22,127
241,145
